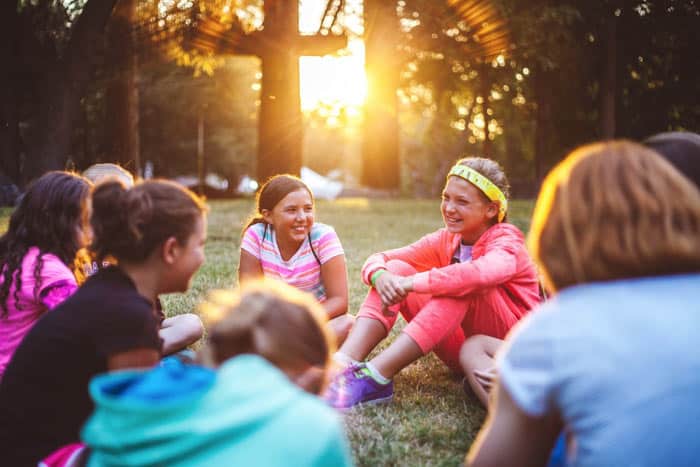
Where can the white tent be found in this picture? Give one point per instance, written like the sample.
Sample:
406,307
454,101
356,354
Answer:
322,187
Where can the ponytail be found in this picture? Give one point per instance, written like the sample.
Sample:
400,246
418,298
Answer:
129,223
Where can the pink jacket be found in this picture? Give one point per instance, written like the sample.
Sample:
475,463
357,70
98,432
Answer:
499,259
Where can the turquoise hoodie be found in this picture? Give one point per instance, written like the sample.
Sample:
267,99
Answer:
246,413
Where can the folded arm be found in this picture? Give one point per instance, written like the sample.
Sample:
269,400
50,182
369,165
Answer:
497,265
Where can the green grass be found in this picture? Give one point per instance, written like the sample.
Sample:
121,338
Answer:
431,421
4,218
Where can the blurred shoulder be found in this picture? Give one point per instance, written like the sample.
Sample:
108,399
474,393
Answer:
321,231
505,230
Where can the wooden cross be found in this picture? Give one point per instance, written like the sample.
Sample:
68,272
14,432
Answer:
279,46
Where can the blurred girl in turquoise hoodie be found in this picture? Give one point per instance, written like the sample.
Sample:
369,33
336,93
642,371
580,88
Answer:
252,402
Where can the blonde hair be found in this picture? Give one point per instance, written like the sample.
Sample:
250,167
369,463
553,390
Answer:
98,172
614,210
269,318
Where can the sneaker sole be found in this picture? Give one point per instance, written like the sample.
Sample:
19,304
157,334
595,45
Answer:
380,401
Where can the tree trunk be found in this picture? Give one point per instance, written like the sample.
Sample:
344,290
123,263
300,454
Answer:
200,151
608,84
48,144
9,95
543,121
122,96
280,126
381,167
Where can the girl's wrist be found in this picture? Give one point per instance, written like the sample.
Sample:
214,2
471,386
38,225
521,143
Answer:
407,283
376,275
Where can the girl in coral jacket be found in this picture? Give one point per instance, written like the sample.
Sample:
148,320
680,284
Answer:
472,277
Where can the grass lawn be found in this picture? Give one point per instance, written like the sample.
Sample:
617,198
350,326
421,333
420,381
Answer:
431,421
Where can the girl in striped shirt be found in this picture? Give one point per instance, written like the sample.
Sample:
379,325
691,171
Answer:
282,241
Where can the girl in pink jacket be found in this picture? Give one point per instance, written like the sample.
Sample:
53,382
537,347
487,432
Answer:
473,277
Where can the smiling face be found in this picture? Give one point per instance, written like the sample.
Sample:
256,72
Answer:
465,210
292,218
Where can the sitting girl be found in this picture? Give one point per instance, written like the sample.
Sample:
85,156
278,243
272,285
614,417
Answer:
177,332
282,241
156,232
609,359
472,277
268,352
37,253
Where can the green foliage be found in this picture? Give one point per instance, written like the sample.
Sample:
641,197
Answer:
170,105
459,103
168,27
51,22
4,219
556,105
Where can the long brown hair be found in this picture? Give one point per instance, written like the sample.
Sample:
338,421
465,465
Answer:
271,319
49,216
615,210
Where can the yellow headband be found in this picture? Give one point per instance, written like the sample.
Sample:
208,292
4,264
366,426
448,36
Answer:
491,191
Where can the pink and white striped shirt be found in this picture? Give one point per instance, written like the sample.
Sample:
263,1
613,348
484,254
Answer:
301,270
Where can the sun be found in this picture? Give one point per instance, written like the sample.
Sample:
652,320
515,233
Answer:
331,82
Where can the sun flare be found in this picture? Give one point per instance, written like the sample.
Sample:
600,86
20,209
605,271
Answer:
334,82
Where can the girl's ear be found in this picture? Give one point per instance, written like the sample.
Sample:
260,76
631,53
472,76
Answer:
266,215
170,250
492,210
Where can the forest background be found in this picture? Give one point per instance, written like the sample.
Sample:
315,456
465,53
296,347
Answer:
576,71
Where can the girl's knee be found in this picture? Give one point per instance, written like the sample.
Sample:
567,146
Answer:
473,351
341,327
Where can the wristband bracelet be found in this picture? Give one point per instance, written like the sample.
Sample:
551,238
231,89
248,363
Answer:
376,275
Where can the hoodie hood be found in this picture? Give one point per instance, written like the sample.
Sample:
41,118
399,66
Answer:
186,415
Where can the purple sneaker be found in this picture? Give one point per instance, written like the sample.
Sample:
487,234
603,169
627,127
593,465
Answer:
355,386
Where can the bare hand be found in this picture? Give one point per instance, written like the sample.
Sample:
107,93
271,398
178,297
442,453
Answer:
392,288
486,378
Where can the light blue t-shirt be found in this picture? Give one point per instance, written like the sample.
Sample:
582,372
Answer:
620,361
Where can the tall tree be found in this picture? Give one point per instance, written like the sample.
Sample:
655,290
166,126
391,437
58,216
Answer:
122,136
9,95
56,57
380,151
